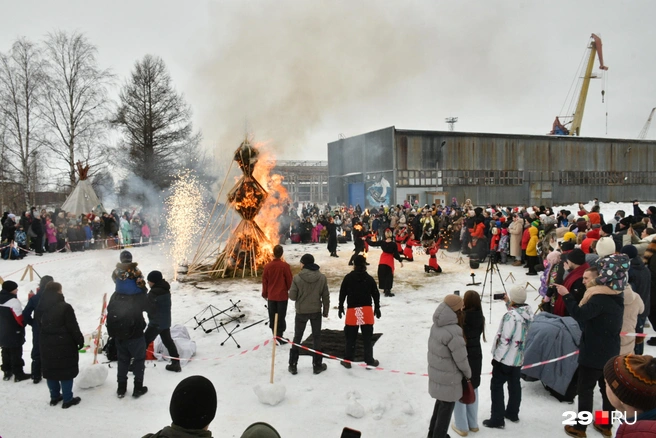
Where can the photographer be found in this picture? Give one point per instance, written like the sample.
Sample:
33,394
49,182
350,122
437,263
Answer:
574,262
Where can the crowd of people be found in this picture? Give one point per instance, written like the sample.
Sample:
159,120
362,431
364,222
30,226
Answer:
598,274
38,232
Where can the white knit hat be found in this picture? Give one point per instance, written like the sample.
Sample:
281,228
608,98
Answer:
517,294
605,246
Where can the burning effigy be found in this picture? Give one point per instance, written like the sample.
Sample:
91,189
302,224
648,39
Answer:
248,245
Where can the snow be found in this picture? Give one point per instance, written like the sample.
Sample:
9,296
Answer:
271,393
393,404
91,376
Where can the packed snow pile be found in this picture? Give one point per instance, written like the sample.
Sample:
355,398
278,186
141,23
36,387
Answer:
271,394
91,376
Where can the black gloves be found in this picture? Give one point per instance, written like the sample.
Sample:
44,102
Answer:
377,312
340,312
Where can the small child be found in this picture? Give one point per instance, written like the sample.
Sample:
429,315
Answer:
51,236
127,277
508,357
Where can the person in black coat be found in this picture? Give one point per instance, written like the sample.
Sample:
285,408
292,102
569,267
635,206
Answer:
600,314
466,416
60,340
159,323
12,333
8,229
386,262
331,228
37,228
30,308
359,290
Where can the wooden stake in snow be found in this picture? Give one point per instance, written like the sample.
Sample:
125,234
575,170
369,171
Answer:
29,269
99,330
273,354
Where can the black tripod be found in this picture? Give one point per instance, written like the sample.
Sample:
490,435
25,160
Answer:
491,267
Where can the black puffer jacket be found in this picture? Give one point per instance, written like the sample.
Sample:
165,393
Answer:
640,279
600,319
473,329
359,289
125,315
160,294
60,337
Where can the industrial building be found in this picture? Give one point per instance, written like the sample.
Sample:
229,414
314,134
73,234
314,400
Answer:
305,181
390,165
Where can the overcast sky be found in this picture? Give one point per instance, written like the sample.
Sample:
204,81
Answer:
299,73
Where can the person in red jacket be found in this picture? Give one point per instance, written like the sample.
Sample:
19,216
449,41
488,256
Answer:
276,281
432,265
526,236
409,244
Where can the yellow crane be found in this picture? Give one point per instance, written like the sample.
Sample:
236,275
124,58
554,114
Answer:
645,128
560,128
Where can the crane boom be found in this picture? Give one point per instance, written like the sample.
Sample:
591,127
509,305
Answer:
645,128
595,48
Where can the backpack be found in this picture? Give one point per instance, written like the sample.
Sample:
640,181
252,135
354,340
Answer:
110,349
123,314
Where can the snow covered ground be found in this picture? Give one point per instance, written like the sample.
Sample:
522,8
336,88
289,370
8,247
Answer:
395,405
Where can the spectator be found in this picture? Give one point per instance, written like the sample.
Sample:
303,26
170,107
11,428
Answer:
192,408
125,323
30,308
639,279
576,265
359,290
466,416
60,342
12,333
160,323
447,363
310,291
631,388
276,282
600,314
508,358
260,430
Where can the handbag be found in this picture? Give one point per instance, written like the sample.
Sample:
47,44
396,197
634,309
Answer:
468,394
30,232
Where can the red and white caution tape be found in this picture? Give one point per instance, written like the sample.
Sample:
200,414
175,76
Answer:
240,353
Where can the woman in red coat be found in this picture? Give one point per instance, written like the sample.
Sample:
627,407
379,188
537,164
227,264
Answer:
432,265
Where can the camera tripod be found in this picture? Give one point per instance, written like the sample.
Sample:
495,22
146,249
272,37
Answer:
492,266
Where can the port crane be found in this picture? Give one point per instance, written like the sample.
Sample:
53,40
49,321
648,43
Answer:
574,120
645,128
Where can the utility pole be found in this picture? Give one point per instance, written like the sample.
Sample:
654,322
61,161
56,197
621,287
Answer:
451,121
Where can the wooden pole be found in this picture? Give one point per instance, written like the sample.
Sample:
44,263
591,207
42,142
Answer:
31,273
99,331
27,269
273,352
1,280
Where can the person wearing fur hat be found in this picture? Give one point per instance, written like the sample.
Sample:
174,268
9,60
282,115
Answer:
192,409
600,315
631,388
447,363
508,357
159,322
126,324
310,292
386,262
12,332
359,290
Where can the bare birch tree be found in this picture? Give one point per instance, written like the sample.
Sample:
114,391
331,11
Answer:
76,102
21,91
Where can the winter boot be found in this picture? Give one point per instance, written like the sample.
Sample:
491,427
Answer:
388,293
7,376
74,401
320,368
55,401
122,389
174,366
345,364
21,377
292,369
374,363
426,269
139,389
36,379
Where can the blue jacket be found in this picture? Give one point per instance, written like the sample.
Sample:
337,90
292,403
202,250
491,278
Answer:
128,279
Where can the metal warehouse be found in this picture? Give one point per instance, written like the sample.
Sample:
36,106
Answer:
390,165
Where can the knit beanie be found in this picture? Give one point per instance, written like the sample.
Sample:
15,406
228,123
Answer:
608,229
360,261
260,430
126,257
605,246
193,403
632,378
576,256
630,251
9,286
307,259
569,237
155,276
535,224
517,294
454,302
